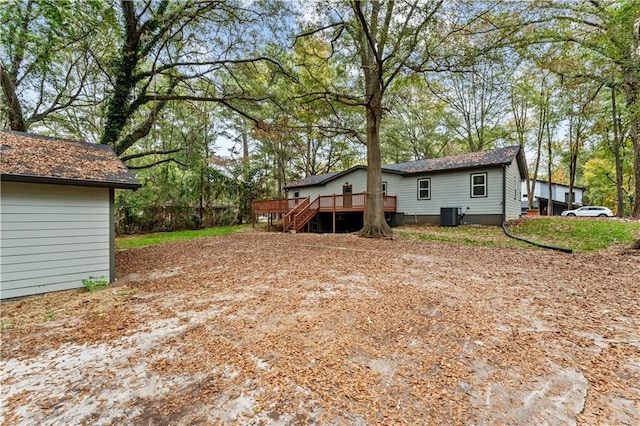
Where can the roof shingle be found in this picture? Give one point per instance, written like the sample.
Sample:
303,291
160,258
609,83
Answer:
32,158
492,157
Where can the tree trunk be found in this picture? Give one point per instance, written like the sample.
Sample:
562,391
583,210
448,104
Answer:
616,152
549,171
308,162
632,90
245,142
635,213
14,110
118,104
542,119
374,224
575,134
573,159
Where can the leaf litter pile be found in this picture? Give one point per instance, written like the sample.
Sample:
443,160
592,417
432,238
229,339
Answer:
265,328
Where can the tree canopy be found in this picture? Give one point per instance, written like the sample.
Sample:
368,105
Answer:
215,103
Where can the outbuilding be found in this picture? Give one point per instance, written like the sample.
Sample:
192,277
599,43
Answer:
56,212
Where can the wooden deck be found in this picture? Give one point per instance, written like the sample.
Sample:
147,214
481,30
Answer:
299,211
326,203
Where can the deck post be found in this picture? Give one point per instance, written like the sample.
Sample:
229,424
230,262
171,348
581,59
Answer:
334,213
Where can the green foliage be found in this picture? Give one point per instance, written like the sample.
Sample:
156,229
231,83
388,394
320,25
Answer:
599,178
95,283
164,82
575,233
123,243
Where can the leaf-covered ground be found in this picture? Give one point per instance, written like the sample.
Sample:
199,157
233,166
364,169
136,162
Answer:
265,328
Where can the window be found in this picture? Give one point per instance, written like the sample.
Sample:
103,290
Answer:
384,188
296,194
424,189
478,185
573,197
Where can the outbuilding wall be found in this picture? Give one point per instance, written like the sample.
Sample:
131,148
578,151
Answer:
52,237
513,192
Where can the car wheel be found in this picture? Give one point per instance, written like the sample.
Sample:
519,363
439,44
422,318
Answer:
602,215
571,214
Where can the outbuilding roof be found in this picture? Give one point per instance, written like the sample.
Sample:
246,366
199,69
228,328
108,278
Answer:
471,160
25,157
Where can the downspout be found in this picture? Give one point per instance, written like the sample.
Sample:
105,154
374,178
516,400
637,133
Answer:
112,236
504,193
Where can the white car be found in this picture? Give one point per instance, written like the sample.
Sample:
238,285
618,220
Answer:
589,211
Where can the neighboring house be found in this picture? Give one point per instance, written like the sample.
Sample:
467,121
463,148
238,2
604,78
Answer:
56,212
559,195
485,186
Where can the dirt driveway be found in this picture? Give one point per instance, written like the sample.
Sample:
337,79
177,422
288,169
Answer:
275,329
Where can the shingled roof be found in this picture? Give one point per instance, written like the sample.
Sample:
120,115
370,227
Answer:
492,157
26,157
314,180
472,160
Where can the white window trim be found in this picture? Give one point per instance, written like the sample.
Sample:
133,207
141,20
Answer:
486,191
384,188
428,188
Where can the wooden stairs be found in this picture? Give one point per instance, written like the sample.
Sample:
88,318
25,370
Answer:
301,214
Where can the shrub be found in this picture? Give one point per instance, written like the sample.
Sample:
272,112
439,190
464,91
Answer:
95,283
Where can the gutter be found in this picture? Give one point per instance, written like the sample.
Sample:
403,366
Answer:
68,181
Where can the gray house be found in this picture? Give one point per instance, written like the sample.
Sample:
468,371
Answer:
56,212
485,186
559,195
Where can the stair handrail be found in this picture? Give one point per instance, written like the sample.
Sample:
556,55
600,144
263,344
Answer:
287,219
308,214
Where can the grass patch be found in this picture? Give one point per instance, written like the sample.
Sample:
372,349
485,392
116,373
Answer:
127,242
574,233
488,236
582,234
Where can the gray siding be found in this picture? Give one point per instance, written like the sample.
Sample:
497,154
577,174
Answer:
514,191
51,237
451,190
357,178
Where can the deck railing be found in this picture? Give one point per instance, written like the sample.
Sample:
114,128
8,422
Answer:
326,203
353,202
299,211
282,205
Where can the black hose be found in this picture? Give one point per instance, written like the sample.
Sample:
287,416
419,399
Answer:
561,249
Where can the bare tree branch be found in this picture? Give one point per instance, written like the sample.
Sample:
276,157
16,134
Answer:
155,163
147,153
